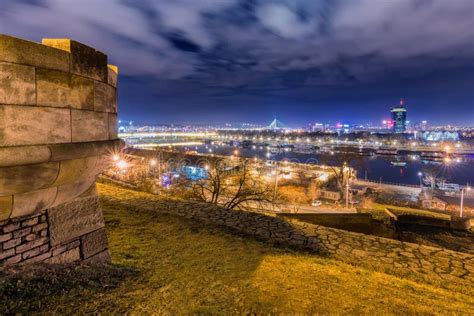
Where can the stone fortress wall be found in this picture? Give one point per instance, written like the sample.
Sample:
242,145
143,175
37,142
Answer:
58,127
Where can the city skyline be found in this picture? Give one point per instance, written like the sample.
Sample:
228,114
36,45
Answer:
249,61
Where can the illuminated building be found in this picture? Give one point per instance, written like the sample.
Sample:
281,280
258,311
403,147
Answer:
399,118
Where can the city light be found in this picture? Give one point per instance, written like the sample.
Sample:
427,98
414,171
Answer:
153,162
122,164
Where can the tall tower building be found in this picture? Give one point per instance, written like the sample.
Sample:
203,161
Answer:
399,117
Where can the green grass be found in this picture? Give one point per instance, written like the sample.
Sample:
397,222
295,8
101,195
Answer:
169,265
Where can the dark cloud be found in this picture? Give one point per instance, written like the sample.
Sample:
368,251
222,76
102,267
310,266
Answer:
228,52
183,44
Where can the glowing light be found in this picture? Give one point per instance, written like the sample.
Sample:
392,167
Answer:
236,152
420,174
153,162
447,160
115,158
122,164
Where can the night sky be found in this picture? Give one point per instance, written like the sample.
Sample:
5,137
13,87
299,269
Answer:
303,61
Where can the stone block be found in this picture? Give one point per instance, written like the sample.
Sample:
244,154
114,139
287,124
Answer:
85,60
68,256
21,179
71,191
89,126
24,155
94,243
27,125
12,260
32,244
100,258
11,227
112,75
61,89
40,227
74,219
22,232
30,222
32,202
60,249
19,51
6,237
11,243
71,171
105,97
113,126
34,252
83,150
6,204
39,258
17,84
6,253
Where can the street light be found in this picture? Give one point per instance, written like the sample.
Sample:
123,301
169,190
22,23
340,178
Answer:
461,209
419,175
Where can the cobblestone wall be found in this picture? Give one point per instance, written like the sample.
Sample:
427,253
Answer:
379,253
58,125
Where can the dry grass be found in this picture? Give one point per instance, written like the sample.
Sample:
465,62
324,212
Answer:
188,267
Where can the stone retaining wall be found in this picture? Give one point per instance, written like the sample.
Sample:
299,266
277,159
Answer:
434,264
58,126
29,239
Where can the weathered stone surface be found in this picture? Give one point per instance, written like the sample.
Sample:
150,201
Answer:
89,126
24,155
85,60
100,258
60,249
105,97
61,89
73,190
73,219
112,75
32,202
71,171
68,256
27,125
6,204
32,244
113,126
20,179
19,51
93,243
83,150
17,84
7,253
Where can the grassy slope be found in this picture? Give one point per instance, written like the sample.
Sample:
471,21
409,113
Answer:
184,266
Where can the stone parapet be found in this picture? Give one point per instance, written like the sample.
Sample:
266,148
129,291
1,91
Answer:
58,129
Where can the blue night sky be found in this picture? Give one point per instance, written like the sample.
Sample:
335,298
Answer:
216,61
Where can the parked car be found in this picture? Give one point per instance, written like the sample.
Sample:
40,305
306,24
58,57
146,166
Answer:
316,203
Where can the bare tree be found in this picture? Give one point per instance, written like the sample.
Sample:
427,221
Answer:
233,187
342,166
